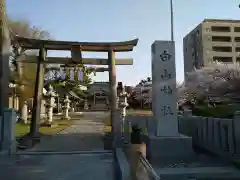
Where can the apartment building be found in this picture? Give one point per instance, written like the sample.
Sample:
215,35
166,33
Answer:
212,40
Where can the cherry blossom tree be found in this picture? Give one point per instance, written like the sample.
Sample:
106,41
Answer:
217,80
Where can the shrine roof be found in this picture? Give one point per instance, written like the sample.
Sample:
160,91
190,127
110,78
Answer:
63,91
84,46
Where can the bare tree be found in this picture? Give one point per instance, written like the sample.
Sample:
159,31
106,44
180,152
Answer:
23,29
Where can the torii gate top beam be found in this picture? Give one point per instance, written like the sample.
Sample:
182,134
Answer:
123,46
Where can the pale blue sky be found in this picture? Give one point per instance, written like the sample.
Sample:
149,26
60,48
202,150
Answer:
119,20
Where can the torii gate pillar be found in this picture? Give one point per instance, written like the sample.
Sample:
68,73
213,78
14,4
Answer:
116,126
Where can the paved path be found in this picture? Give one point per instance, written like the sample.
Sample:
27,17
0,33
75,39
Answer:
59,167
85,134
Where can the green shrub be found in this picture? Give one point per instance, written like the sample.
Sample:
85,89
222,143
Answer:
220,111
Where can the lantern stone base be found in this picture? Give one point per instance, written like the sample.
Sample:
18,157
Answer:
168,148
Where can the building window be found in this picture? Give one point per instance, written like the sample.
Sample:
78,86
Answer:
197,33
223,59
221,38
221,49
220,29
236,29
237,49
237,39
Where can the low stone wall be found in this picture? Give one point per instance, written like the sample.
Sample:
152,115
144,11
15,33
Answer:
143,122
219,136
122,167
187,125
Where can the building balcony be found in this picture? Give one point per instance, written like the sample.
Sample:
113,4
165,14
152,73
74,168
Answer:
222,44
214,33
221,54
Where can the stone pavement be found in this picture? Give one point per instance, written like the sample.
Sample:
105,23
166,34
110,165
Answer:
61,157
200,167
85,134
59,167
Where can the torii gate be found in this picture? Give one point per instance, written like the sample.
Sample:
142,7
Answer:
76,49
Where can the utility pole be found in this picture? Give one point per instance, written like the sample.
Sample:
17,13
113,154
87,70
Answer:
172,23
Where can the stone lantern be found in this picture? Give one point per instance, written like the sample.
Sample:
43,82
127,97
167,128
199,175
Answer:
50,104
66,108
86,104
122,106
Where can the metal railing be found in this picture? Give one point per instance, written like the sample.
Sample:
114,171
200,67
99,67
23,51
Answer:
146,171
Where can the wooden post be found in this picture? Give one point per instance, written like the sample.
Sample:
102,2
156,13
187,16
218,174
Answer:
34,129
113,93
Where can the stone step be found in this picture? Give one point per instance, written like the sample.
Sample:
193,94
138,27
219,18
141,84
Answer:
224,172
32,152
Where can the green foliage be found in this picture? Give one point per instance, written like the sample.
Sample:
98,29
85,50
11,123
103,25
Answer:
73,85
220,111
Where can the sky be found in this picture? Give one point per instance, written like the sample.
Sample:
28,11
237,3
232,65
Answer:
121,20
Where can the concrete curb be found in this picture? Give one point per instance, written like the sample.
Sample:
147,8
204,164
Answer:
122,166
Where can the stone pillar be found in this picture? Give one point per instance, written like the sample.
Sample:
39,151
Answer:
66,107
50,104
164,88
58,104
113,96
122,105
117,101
236,130
73,107
24,112
17,103
43,109
8,143
187,112
86,104
167,138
